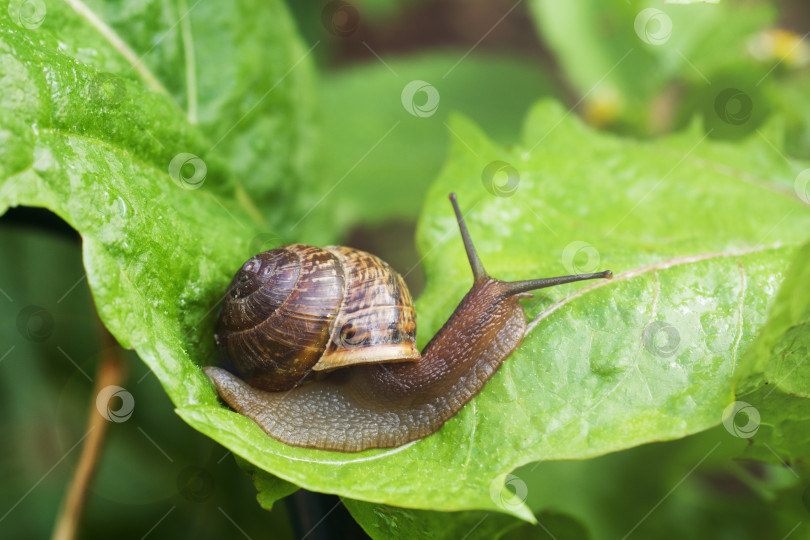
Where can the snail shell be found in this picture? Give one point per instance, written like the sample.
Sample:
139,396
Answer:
296,310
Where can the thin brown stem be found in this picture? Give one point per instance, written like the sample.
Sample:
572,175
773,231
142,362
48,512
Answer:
111,371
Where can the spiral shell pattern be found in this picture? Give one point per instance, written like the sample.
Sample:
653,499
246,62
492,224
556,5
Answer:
298,309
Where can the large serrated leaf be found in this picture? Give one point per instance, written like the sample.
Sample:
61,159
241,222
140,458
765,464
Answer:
238,71
778,383
682,229
697,247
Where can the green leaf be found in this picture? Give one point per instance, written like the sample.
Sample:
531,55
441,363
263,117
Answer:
695,487
630,61
791,95
61,114
380,166
383,522
779,433
778,386
778,355
699,243
237,70
682,230
676,486
270,489
98,147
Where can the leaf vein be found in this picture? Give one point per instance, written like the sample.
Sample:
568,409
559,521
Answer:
736,347
118,44
634,367
515,392
629,274
472,439
191,63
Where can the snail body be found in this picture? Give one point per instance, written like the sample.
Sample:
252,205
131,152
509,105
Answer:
293,312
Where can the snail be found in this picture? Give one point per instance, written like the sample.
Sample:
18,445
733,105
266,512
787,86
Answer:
318,346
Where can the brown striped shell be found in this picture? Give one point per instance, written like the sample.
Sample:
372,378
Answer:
298,309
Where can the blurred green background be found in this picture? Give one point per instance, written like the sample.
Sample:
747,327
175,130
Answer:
160,479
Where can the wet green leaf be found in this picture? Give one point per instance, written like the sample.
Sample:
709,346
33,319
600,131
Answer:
650,355
633,63
270,489
696,486
778,386
237,72
381,521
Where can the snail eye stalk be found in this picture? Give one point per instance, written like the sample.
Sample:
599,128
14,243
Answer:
514,287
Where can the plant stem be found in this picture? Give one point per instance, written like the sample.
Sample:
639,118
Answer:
111,371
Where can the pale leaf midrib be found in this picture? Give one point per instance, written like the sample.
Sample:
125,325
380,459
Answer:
191,62
629,274
118,44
